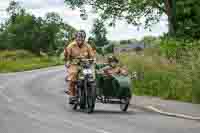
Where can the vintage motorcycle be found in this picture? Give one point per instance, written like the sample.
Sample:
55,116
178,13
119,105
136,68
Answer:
85,86
92,87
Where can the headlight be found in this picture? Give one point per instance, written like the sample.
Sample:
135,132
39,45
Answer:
81,77
87,71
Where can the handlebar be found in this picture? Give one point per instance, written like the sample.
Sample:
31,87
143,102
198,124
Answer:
87,59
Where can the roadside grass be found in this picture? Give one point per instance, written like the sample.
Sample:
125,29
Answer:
176,81
21,60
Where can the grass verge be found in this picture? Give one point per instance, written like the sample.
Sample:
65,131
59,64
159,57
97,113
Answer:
162,78
20,60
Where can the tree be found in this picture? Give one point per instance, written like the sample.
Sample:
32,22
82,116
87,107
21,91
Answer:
188,23
123,41
25,31
51,28
109,49
14,9
53,18
99,32
131,10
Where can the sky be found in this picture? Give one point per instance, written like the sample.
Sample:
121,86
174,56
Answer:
121,31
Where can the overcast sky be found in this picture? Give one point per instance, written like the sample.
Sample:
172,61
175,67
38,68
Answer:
72,17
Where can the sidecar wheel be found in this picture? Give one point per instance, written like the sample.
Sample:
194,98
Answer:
74,106
124,104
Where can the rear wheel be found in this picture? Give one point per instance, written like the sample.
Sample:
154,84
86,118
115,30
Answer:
74,106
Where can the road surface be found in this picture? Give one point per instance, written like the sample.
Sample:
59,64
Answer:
34,102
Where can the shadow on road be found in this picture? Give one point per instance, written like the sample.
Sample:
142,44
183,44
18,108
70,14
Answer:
108,112
113,112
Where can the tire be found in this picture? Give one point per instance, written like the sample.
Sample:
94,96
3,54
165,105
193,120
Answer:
125,103
91,104
91,98
82,100
82,97
74,106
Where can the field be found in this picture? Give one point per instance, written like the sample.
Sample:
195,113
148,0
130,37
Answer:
20,60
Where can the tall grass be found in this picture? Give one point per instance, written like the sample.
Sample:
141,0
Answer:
169,80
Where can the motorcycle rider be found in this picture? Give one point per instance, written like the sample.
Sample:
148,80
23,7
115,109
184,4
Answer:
77,49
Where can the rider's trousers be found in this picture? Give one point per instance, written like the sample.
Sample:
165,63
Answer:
71,86
72,72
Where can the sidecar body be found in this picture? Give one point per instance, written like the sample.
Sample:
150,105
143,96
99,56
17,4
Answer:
114,89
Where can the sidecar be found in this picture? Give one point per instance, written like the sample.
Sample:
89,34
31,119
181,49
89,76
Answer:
115,89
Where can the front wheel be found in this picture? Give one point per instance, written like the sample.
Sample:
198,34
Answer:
91,98
82,100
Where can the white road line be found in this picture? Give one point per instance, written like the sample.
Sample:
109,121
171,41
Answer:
172,114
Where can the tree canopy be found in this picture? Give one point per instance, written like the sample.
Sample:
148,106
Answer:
99,32
188,22
133,11
183,15
26,31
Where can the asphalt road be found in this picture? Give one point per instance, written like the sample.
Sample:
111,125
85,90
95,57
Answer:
34,102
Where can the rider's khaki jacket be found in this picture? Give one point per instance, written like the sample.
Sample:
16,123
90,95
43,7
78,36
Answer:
71,53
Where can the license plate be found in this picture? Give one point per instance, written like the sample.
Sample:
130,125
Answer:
87,71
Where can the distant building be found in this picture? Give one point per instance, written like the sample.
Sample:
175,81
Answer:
129,47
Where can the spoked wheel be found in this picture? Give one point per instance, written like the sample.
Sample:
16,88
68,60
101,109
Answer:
82,100
90,104
124,104
90,99
74,106
81,95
